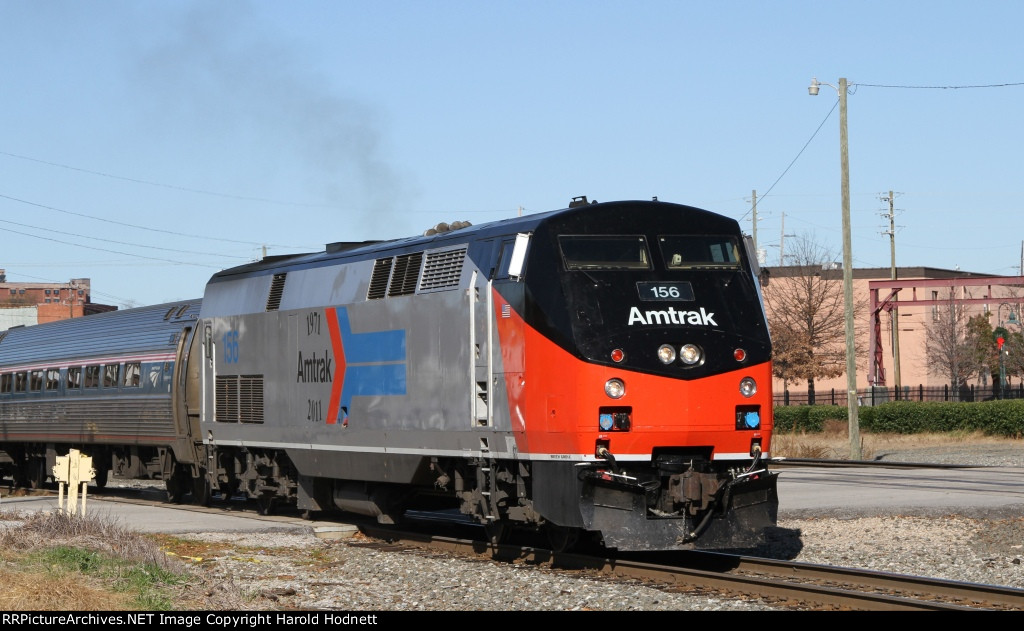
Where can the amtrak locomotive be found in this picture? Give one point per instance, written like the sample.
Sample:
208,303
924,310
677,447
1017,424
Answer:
601,370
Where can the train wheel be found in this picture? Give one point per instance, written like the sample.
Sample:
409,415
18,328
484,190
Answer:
562,538
201,491
175,488
497,531
265,503
101,477
35,474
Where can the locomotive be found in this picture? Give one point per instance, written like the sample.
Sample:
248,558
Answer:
599,371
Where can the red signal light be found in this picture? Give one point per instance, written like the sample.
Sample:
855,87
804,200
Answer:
999,342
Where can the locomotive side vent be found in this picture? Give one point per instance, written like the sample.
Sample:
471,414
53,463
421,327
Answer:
239,399
406,274
379,279
226,396
442,270
276,289
250,394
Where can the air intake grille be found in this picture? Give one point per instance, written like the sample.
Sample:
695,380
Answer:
379,279
239,399
442,270
276,289
406,274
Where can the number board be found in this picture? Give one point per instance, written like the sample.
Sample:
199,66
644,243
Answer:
666,291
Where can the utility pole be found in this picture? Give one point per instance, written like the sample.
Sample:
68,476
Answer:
851,360
892,276
753,197
782,242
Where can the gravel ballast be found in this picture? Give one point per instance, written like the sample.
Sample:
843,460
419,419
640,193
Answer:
275,570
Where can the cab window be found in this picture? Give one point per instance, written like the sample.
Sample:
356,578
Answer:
604,252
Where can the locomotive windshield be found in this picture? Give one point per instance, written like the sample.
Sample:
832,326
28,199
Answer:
700,251
588,252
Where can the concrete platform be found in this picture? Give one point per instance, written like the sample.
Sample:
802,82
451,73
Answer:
143,516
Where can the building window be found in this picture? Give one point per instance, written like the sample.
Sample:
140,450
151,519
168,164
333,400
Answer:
52,378
47,292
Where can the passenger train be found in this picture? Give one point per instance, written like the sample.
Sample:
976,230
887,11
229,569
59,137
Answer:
599,371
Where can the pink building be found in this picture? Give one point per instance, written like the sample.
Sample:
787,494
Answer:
922,293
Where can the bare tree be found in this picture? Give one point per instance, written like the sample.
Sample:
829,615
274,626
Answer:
950,346
806,316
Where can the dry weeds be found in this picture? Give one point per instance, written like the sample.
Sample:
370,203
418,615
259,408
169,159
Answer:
140,575
834,442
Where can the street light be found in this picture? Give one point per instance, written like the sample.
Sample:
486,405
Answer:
851,358
1002,334
1011,317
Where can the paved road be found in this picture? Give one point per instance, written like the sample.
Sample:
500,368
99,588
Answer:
874,490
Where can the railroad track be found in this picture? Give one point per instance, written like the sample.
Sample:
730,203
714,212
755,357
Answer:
786,583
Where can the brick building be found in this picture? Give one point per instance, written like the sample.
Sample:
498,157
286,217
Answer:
36,303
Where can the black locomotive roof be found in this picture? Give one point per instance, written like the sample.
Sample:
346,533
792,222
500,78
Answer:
527,223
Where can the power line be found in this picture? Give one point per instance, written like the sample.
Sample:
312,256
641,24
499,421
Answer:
160,184
799,153
134,245
138,227
941,87
217,193
77,245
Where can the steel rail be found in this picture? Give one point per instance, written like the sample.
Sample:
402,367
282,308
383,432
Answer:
796,585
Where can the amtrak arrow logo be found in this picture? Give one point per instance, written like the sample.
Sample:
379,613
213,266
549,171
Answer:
367,364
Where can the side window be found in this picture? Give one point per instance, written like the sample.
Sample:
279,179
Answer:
35,380
74,381
52,379
132,371
20,381
110,374
504,258
6,383
92,376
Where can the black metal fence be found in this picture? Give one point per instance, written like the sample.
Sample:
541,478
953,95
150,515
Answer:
876,395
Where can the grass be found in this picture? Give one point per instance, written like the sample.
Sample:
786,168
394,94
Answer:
52,561
833,442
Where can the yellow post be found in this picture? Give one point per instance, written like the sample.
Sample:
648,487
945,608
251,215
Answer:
72,470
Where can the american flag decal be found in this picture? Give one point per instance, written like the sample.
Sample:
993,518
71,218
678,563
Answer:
506,311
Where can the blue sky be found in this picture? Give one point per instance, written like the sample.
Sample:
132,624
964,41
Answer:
146,145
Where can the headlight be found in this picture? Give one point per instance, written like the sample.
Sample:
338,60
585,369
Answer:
748,387
690,354
615,388
666,353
